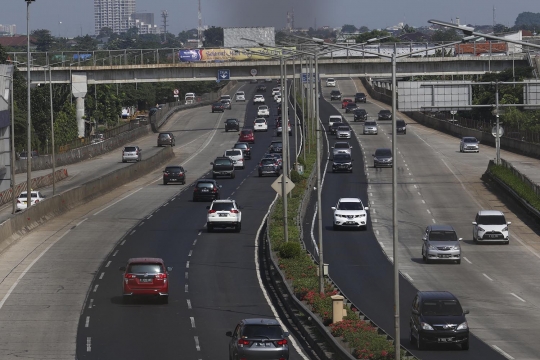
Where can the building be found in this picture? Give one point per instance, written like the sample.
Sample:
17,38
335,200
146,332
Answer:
113,14
18,42
144,22
8,30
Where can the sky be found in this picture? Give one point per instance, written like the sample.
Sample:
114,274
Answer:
70,18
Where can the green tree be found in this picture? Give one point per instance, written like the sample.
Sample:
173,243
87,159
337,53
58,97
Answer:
105,32
445,35
3,55
65,125
86,43
528,19
185,35
213,37
500,28
376,34
43,39
348,28
363,29
408,29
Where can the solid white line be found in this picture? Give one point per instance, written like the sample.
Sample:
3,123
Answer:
149,216
467,260
417,187
101,276
186,288
380,243
408,277
429,212
517,297
419,193
487,277
433,221
187,265
80,222
263,289
375,220
188,304
88,344
141,223
312,230
95,288
87,323
116,202
423,201
116,252
192,321
197,343
91,303
502,352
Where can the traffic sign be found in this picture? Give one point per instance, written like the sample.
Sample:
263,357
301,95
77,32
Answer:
277,185
176,91
494,131
305,77
253,72
224,74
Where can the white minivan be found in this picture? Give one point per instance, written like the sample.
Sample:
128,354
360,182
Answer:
490,225
236,156
240,96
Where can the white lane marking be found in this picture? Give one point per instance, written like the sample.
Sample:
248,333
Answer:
141,223
197,343
375,220
423,201
408,277
313,229
419,193
116,252
377,232
200,232
487,277
87,323
108,263
506,355
192,321
429,212
101,276
123,242
373,210
194,242
80,222
88,344
433,221
186,288
263,289
380,243
4,299
467,260
188,304
95,288
116,202
416,187
149,216
517,297
186,275
187,265
190,252
133,232
91,303
165,204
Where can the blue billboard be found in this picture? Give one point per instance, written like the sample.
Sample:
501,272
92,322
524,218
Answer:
190,55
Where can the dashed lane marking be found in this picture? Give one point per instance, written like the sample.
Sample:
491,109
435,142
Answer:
467,260
87,322
517,297
88,344
498,349
95,288
188,304
101,276
192,321
487,277
108,263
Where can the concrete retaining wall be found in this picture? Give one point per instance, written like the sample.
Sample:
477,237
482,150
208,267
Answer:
39,182
23,222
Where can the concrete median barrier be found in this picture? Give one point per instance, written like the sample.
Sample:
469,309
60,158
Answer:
23,222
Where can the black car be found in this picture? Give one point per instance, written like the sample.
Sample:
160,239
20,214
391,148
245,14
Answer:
174,174
335,95
268,166
261,88
385,115
383,157
218,106
206,189
232,124
334,127
438,318
360,97
401,127
360,114
342,162
350,107
246,149
276,147
223,166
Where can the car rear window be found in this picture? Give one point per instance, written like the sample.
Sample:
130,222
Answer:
263,107
334,92
164,136
350,206
370,123
232,120
240,146
222,162
277,144
441,308
343,128
491,220
341,146
263,331
442,236
385,112
225,206
246,132
267,161
145,268
205,185
24,196
400,123
174,169
130,148
330,79
260,121
233,153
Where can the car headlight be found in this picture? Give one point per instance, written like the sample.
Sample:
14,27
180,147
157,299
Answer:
481,229
505,228
362,215
463,326
426,326
431,247
455,247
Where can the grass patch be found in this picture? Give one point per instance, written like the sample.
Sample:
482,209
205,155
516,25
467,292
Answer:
515,183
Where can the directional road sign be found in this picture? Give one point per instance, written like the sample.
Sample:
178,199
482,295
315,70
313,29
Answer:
277,185
305,77
224,74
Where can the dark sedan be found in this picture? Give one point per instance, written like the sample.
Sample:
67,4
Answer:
360,97
342,162
174,174
334,127
382,158
360,114
246,149
218,107
206,189
385,115
350,107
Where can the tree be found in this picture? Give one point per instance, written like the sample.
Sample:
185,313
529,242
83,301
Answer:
185,35
347,28
86,43
213,36
65,125
408,29
43,39
105,32
500,28
3,55
364,37
363,29
528,19
445,35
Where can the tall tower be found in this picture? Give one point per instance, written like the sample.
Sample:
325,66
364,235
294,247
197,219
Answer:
199,28
113,14
292,19
288,21
164,15
494,18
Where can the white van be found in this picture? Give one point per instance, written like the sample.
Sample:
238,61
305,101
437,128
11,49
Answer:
237,157
334,118
189,98
240,96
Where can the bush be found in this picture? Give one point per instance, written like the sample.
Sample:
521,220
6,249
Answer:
516,184
296,177
290,250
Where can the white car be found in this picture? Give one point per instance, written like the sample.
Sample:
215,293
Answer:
225,97
350,213
35,198
334,118
490,225
277,95
278,99
260,124
331,82
263,111
258,99
224,214
276,90
341,147
240,96
237,157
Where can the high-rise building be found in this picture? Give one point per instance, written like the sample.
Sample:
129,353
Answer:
8,30
113,14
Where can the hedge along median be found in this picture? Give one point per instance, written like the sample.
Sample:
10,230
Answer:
23,222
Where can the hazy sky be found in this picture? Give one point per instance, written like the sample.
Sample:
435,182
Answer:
77,15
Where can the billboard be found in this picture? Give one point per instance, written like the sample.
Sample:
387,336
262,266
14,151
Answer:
223,54
434,95
236,36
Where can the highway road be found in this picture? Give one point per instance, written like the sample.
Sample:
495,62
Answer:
63,278
436,184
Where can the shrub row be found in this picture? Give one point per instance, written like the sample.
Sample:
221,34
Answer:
515,183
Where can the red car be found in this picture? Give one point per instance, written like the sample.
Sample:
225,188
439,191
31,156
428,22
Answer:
247,136
146,277
345,102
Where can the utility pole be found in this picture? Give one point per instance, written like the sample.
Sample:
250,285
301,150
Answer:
199,28
164,15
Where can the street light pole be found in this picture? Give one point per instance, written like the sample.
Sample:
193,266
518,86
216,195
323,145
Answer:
53,158
29,123
284,163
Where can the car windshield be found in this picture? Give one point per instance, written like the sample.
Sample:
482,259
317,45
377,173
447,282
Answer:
330,79
370,123
383,152
341,146
343,128
264,107
262,331
233,153
223,206
222,162
470,140
350,206
360,111
267,161
400,123
342,157
174,169
441,308
385,112
277,144
130,148
442,236
491,220
145,268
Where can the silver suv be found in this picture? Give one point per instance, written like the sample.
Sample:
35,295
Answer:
440,243
490,225
258,339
